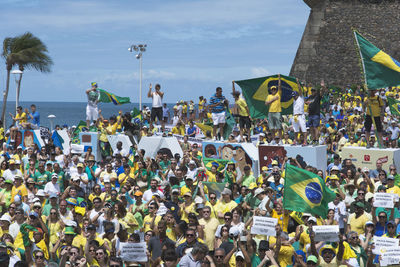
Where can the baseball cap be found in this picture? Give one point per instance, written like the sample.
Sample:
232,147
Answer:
54,175
72,201
188,194
76,178
11,161
138,194
265,168
69,230
79,165
37,204
258,191
189,178
234,231
33,214
369,223
91,227
53,195
239,254
359,204
17,177
274,162
40,193
252,186
334,168
312,259
365,169
192,162
198,200
334,177
327,247
390,177
8,181
312,219
5,217
391,222
175,190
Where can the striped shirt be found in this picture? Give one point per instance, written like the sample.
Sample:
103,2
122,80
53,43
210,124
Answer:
217,99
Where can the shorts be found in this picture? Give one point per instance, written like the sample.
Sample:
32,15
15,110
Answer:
244,122
156,113
92,113
300,124
274,121
218,118
313,120
368,123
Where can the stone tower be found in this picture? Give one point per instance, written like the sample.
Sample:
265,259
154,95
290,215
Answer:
327,49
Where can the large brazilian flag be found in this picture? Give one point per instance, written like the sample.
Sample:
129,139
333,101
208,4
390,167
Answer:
305,191
380,69
107,97
394,106
255,91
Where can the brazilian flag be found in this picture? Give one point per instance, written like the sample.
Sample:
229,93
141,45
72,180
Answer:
107,97
394,106
380,69
306,192
219,163
255,92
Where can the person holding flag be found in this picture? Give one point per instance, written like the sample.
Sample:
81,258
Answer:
218,104
273,101
374,108
92,112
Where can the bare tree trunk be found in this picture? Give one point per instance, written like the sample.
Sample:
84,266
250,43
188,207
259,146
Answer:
5,96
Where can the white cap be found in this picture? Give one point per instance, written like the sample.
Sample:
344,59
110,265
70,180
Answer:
335,168
5,217
36,199
198,200
106,180
40,193
239,254
75,178
192,162
71,223
234,231
258,191
312,219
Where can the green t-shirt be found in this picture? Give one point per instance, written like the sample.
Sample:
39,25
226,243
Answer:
165,165
248,180
388,212
41,177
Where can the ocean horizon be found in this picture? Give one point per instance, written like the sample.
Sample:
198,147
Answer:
69,113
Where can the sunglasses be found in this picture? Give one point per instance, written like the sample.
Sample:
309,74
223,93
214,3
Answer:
189,235
99,253
39,257
151,208
227,218
12,208
218,256
213,198
92,250
53,213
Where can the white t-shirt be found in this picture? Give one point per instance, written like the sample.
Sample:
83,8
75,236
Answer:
9,174
298,105
148,194
52,188
157,103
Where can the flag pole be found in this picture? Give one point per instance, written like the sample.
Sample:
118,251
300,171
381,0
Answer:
366,88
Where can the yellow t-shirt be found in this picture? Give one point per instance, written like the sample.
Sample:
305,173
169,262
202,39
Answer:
21,190
394,190
21,116
283,219
123,178
224,207
210,227
358,224
147,222
285,256
54,228
242,107
201,105
374,104
186,210
276,105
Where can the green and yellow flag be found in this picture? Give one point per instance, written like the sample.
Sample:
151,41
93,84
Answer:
107,97
306,192
255,92
380,69
394,106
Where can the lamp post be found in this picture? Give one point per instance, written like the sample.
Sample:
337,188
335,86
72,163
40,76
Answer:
18,83
139,49
51,117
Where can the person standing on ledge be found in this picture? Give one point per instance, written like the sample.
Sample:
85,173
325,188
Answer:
92,112
274,113
218,104
156,108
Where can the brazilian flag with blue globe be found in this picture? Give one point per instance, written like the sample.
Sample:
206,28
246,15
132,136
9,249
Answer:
305,191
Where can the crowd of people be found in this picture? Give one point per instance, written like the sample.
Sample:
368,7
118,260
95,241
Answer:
78,210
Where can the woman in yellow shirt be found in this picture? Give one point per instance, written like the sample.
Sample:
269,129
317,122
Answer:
55,227
186,207
125,218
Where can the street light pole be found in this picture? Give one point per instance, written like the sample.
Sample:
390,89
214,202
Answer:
140,49
17,81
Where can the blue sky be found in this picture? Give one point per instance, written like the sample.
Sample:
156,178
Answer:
193,46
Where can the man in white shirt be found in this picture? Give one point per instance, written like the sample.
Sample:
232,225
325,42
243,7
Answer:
120,150
394,130
52,186
19,220
148,194
192,170
299,119
10,173
156,108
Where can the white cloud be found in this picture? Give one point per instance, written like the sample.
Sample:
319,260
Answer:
259,72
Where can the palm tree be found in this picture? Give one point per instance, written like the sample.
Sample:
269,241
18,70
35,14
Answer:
24,51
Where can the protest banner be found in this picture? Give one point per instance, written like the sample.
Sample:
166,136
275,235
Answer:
383,200
327,233
134,252
383,243
264,226
390,256
395,197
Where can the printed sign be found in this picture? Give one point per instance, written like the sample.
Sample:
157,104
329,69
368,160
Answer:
134,252
383,200
327,233
383,243
264,226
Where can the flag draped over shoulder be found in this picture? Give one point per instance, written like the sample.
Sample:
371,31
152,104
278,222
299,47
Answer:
107,97
305,191
255,91
394,106
380,69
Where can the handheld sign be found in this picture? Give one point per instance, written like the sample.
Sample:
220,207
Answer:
327,233
264,226
383,200
134,252
383,243
390,256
